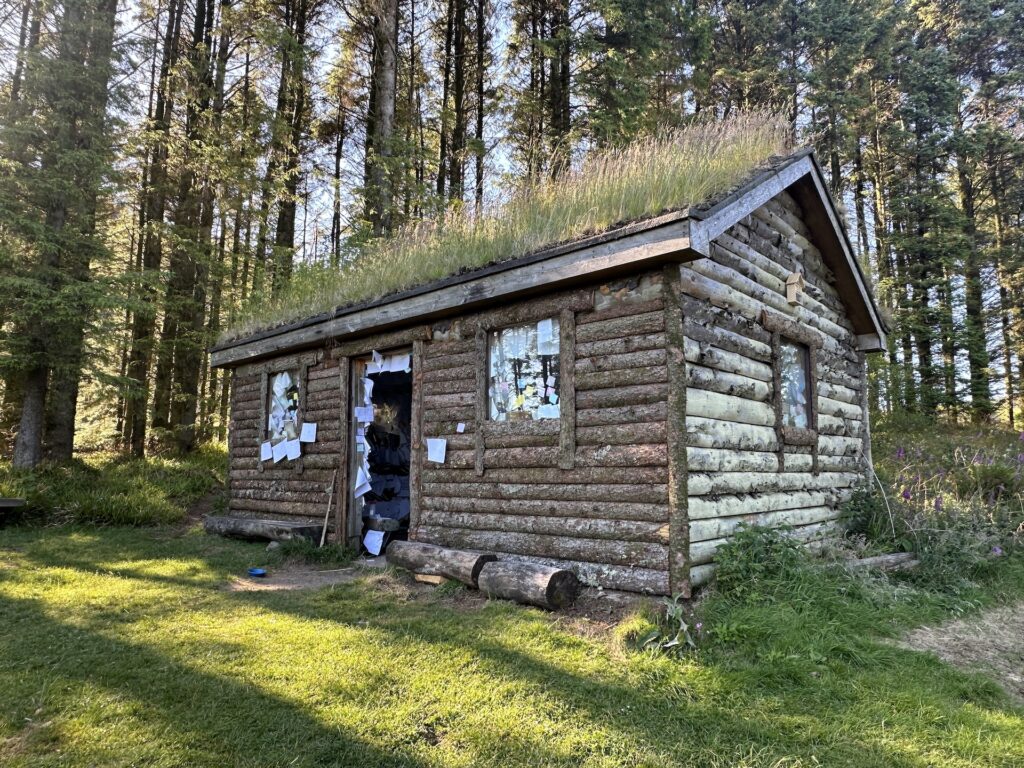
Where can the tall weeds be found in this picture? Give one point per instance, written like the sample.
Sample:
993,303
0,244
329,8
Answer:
668,171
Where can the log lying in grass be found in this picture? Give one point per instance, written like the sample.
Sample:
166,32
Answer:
530,583
897,561
430,560
253,528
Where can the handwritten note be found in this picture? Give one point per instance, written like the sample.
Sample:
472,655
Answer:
308,434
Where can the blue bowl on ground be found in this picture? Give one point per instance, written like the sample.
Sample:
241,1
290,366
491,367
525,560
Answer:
258,572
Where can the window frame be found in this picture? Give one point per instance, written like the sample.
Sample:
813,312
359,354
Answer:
299,364
786,329
564,427
490,348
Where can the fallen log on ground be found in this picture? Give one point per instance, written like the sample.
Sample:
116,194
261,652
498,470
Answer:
541,585
898,561
255,528
431,560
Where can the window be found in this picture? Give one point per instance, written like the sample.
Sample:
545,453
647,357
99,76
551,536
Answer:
794,364
524,372
283,406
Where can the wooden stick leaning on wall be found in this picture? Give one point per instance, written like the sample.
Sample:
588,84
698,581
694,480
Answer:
327,514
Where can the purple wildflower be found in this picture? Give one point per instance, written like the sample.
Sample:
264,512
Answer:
906,494
938,503
997,551
901,454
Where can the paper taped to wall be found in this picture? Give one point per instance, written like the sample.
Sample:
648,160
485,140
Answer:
364,414
279,451
362,483
266,451
308,434
436,447
460,427
293,449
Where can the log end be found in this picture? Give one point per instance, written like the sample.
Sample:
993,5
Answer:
563,589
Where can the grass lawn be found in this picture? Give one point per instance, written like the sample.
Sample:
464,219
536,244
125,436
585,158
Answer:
120,646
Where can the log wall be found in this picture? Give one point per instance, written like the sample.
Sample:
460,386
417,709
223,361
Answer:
287,490
594,498
739,468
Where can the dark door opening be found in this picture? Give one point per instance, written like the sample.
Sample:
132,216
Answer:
383,448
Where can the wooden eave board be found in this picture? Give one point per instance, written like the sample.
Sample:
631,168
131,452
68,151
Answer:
627,250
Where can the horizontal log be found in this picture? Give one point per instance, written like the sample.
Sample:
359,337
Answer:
622,361
713,528
627,578
438,561
582,528
643,394
586,456
630,325
499,498
714,433
620,434
275,507
578,476
625,377
530,583
435,387
620,307
721,460
260,529
641,554
453,400
703,507
712,405
626,414
446,362
724,383
728,330
840,446
705,484
730,362
463,372
621,345
830,407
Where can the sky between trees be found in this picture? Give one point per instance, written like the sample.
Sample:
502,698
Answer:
164,162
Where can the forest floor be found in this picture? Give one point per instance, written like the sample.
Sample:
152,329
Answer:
123,646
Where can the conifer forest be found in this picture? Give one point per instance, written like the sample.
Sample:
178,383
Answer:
168,166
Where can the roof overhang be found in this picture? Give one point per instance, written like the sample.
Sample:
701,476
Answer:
675,237
621,251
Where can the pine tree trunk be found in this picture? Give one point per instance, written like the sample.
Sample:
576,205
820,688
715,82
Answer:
481,42
974,309
381,119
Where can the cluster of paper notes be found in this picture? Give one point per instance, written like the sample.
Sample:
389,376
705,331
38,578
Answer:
363,414
288,449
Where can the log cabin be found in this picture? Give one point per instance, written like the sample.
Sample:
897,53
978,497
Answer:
617,405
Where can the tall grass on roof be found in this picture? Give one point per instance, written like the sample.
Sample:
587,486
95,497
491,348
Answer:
668,171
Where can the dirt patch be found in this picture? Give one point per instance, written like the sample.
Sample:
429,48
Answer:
992,642
291,579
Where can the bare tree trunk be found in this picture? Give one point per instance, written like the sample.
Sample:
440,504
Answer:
381,119
481,43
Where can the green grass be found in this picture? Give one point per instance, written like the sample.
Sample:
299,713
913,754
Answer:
109,488
119,646
654,174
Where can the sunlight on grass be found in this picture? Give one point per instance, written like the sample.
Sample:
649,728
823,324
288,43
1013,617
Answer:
124,649
670,171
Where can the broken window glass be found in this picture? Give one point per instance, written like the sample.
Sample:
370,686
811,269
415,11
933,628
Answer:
524,372
796,380
283,408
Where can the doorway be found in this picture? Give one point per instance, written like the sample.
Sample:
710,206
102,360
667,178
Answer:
381,450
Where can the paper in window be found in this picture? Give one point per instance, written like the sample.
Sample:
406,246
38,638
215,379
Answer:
283,408
524,372
794,364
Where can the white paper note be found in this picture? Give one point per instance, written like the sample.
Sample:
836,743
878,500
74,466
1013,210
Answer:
364,414
279,451
266,451
373,541
398,363
436,447
362,483
551,380
460,427
308,434
378,358
367,391
547,412
293,449
545,330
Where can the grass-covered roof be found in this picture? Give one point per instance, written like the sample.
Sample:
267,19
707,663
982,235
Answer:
674,170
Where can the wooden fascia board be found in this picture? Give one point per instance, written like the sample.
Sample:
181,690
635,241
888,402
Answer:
637,251
717,220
